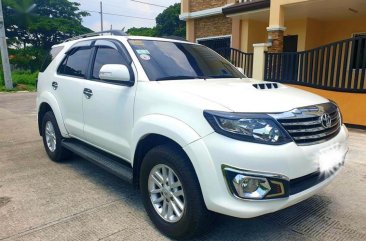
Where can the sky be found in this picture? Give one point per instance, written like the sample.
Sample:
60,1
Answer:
123,7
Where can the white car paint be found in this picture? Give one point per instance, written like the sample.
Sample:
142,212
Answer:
118,117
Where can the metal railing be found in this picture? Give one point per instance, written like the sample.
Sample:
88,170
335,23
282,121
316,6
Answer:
339,66
239,59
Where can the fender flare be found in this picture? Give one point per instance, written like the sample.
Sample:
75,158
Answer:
166,126
50,99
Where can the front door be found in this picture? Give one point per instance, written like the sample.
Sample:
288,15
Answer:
108,112
290,43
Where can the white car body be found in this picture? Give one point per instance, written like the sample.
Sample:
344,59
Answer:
117,117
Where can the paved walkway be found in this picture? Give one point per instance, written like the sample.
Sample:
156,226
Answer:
42,200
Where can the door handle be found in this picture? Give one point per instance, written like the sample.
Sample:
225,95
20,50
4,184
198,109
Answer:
88,93
54,85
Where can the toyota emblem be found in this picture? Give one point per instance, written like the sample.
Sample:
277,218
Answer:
326,120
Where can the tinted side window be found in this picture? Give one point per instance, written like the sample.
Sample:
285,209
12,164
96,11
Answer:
50,56
106,55
76,63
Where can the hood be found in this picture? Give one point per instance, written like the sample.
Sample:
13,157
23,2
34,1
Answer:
246,95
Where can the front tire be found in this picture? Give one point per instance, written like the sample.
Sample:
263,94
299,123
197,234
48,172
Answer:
171,193
52,139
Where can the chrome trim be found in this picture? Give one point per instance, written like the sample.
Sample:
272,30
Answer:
311,129
315,136
225,167
300,123
254,173
304,123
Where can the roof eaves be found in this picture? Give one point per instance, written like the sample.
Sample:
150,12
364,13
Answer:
246,7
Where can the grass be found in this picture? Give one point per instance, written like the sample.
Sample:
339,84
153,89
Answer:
22,81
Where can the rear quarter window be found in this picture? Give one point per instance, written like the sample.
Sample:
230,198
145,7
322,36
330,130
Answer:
50,57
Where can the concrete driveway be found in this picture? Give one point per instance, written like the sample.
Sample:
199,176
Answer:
43,200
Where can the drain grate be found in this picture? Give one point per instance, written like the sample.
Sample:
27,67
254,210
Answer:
310,218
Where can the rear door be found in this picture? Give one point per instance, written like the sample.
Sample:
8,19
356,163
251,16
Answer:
67,85
108,105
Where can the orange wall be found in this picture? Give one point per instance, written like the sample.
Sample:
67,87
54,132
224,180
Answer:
342,28
297,27
352,105
252,32
313,33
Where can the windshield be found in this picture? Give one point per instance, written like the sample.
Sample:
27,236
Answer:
163,60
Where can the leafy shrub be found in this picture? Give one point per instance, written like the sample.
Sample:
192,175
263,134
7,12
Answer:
27,78
22,80
29,58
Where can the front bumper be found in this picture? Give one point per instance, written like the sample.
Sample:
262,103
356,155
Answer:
210,153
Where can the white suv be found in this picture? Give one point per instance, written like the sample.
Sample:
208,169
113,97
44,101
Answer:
187,128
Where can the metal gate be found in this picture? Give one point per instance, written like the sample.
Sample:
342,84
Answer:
339,66
216,43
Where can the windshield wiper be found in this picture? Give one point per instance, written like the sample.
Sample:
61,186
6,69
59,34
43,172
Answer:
178,77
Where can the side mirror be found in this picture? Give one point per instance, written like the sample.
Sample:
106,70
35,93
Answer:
240,69
115,72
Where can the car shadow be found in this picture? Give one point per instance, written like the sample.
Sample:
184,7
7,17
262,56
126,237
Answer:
302,221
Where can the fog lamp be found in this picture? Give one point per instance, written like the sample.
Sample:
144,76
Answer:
251,187
245,184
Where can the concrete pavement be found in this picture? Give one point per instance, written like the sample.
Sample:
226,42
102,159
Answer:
43,200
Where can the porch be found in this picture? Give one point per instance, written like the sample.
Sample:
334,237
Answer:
316,45
295,25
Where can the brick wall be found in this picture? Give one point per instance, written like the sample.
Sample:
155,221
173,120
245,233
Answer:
197,5
212,26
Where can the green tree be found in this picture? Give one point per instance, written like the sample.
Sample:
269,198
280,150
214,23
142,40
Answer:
150,32
50,22
168,22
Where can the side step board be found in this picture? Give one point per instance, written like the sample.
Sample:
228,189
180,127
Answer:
110,163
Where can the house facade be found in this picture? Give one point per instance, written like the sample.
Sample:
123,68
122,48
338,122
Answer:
317,45
288,25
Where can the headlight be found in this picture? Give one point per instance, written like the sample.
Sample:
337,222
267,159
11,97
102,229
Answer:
259,128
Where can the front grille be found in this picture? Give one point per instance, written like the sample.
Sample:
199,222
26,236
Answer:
308,125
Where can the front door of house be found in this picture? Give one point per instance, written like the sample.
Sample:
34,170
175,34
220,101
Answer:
290,43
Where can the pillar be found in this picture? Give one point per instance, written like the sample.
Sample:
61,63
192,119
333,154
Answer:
276,27
258,60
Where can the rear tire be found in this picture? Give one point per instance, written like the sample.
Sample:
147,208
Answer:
52,139
194,218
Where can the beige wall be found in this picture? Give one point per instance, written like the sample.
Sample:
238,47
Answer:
314,33
257,34
297,27
276,17
184,6
190,32
342,28
252,32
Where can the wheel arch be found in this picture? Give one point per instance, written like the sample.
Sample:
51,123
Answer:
155,130
47,102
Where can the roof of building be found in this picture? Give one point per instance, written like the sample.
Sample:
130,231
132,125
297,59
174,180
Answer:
246,6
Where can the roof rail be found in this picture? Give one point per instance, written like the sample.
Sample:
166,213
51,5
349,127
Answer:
111,32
